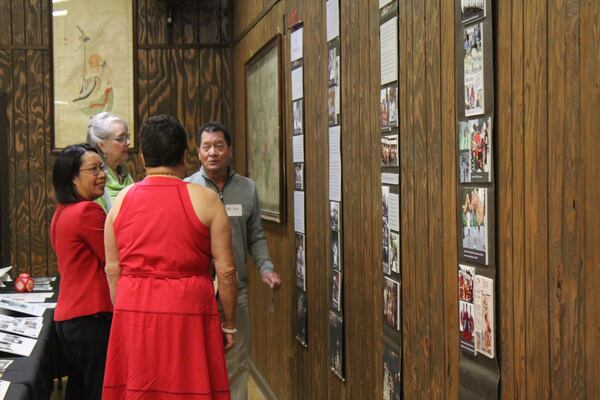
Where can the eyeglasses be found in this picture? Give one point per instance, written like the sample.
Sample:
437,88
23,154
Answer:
122,139
95,170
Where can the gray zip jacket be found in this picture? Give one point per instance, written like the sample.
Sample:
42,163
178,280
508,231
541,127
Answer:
243,208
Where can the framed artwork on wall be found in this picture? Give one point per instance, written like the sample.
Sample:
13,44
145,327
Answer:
93,66
265,155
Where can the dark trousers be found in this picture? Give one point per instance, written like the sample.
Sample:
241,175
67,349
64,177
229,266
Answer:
85,341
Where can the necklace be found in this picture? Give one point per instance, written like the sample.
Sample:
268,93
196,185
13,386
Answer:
163,174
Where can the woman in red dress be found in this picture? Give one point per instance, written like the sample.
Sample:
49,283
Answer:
167,341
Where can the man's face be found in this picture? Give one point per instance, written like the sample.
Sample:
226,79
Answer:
214,152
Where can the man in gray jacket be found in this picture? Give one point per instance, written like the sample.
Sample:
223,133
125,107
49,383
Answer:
240,197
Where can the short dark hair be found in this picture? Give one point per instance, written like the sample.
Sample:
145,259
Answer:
66,167
163,141
212,127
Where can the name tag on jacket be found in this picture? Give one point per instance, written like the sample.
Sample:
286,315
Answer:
234,210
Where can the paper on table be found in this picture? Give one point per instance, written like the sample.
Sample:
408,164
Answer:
23,307
14,344
30,327
3,388
27,297
4,276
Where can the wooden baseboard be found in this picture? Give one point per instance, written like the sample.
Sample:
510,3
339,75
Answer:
261,382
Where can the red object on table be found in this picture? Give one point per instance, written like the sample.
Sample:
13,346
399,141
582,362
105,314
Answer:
24,283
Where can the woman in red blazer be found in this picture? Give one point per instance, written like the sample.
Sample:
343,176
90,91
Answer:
84,310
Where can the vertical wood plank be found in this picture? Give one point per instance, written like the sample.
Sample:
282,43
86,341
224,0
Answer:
5,22
159,84
406,86
49,159
566,217
38,229
185,24
141,22
536,198
156,22
448,194
33,18
590,147
504,189
21,203
18,22
209,30
435,226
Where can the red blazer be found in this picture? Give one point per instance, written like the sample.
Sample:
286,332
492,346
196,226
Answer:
77,236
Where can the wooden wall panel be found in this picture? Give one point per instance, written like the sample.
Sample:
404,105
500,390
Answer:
18,22
590,135
5,22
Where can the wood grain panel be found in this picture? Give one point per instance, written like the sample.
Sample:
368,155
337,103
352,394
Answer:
18,22
159,84
448,195
566,214
435,199
5,22
33,17
536,199
406,137
21,221
590,135
50,158
505,210
209,24
38,228
141,25
156,22
185,24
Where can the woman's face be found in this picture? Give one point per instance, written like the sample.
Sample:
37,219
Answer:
116,147
88,185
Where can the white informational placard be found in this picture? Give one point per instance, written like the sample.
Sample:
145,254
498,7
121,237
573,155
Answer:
27,297
18,345
23,307
383,3
298,148
389,178
333,19
299,211
296,44
30,326
3,388
394,212
335,164
297,80
388,38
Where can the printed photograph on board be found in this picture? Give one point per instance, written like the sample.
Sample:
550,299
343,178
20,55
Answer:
465,283
336,250
389,107
336,344
334,215
297,116
300,261
473,69
466,326
392,374
389,151
472,10
299,176
333,105
484,315
301,317
475,143
391,298
474,224
394,252
333,66
336,289
385,232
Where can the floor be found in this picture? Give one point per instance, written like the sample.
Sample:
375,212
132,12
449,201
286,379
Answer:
254,392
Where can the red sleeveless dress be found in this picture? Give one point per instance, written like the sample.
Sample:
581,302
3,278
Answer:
165,341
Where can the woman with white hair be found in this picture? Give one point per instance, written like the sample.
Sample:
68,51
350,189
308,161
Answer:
110,135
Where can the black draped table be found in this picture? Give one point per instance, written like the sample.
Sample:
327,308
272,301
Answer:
31,378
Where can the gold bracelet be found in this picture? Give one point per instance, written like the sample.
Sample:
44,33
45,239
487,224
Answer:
227,330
